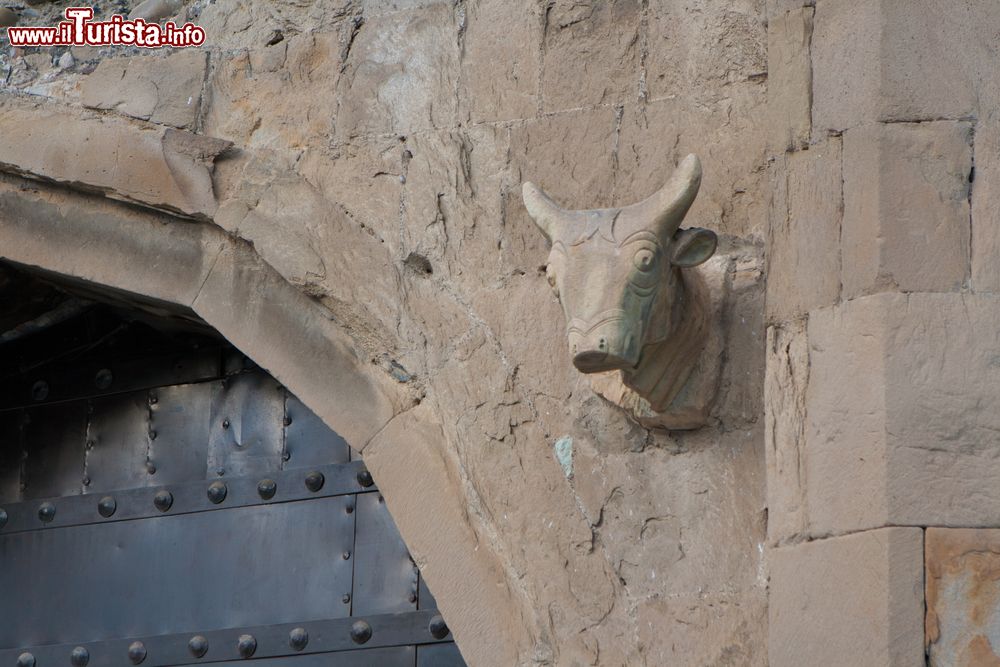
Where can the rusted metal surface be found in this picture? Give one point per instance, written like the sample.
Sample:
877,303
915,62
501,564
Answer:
963,597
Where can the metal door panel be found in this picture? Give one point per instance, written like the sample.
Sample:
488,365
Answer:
247,424
308,441
118,443
329,639
115,377
186,367
439,655
403,656
385,578
176,573
55,438
180,418
10,455
130,504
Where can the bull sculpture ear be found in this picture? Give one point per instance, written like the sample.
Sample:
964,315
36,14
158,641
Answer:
545,212
691,247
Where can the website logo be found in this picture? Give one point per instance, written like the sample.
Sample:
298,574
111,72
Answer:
79,29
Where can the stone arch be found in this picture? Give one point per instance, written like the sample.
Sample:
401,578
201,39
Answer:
195,269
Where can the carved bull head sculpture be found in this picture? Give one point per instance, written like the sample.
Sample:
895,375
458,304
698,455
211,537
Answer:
620,276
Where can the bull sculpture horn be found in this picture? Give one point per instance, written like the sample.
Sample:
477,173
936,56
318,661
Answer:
667,207
545,212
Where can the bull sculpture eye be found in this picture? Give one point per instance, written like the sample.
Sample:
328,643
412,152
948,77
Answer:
644,259
644,275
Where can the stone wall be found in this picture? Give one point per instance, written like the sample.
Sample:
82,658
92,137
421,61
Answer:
378,149
882,314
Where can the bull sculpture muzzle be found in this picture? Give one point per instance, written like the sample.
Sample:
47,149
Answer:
619,274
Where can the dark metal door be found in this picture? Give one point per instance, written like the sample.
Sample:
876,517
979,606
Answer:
177,506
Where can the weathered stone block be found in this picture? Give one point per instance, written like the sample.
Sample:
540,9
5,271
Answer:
854,600
591,53
789,79
963,597
986,208
297,76
365,178
156,166
501,56
400,74
162,90
879,60
785,382
720,630
902,412
906,207
452,209
93,238
804,255
701,49
778,7
656,136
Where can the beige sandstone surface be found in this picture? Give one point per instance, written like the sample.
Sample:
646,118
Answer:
378,149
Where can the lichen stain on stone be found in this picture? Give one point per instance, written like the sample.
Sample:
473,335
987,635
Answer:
981,653
963,597
564,454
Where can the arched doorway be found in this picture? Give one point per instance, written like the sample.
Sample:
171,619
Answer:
165,501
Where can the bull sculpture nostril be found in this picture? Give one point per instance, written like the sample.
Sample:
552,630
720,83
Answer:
603,344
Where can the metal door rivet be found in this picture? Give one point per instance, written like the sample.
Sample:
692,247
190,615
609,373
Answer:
152,435
298,638
412,598
40,390
103,379
346,599
136,652
90,445
163,500
288,421
86,481
246,645
315,481
350,509
107,506
25,660
3,518
150,468
79,657
286,456
46,512
438,628
217,492
198,646
266,488
365,479
225,423
346,555
361,632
